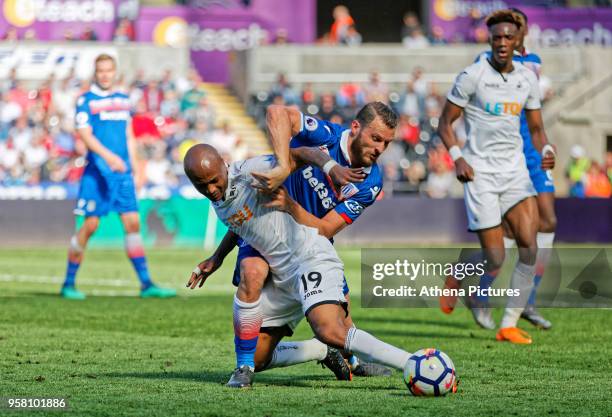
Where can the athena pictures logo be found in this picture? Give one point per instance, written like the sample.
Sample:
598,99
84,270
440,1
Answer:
22,13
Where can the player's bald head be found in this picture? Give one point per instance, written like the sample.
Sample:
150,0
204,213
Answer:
206,170
201,159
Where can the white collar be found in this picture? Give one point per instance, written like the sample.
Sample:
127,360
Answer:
95,88
344,149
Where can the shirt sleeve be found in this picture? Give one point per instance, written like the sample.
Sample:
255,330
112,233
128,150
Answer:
315,132
362,196
257,164
533,100
463,89
83,116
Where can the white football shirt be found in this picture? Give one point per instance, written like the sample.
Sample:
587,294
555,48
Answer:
492,103
283,242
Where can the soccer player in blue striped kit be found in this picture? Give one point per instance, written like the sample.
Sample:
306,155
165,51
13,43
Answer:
103,121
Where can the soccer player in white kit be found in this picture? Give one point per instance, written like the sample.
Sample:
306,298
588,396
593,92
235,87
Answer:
307,274
491,94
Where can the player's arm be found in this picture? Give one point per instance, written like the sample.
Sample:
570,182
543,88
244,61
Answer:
210,265
339,174
450,113
283,123
327,226
539,138
131,143
94,145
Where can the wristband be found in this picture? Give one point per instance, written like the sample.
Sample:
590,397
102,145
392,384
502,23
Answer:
455,152
328,166
548,148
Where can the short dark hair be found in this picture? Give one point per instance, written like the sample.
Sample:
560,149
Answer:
503,16
519,11
368,113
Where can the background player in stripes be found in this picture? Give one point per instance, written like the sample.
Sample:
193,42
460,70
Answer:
103,121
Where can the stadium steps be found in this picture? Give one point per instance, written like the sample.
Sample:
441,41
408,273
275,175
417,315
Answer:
229,108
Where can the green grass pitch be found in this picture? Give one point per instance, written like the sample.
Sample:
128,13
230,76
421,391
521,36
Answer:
115,354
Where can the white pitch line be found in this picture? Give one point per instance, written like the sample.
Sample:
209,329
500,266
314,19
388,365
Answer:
45,279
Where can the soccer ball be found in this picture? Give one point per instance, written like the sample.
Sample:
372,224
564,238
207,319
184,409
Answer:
430,372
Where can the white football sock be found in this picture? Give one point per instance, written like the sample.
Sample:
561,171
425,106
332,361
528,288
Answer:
292,353
545,244
370,349
509,243
522,280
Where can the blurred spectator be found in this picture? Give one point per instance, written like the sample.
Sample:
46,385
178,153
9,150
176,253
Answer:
416,40
342,21
190,100
308,95
281,37
124,32
437,36
10,35
410,103
328,107
375,89
350,94
153,96
89,34
576,170
283,89
167,82
352,37
439,181
411,24
158,169
226,142
596,182
29,35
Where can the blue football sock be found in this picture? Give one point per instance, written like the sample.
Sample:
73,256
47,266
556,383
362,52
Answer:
486,280
135,251
245,351
71,272
534,290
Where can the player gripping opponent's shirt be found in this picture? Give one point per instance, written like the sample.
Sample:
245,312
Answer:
314,190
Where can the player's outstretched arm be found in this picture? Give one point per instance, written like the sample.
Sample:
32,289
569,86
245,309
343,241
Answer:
327,226
450,113
539,138
93,144
207,267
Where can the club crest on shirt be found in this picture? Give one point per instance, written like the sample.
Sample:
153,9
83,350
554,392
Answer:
348,191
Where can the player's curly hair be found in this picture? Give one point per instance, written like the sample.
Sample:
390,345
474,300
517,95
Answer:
368,113
505,16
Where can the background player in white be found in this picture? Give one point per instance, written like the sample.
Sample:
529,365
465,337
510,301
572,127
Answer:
307,275
491,94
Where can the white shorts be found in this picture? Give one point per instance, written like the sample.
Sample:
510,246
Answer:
490,195
320,280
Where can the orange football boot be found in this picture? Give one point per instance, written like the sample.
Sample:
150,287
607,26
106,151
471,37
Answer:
513,335
448,303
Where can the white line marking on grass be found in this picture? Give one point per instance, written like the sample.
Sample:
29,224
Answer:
45,279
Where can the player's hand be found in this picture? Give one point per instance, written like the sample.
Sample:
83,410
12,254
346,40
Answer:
465,172
203,271
116,164
280,200
270,180
344,175
548,160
